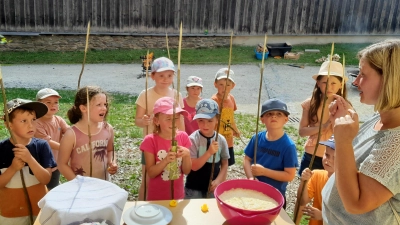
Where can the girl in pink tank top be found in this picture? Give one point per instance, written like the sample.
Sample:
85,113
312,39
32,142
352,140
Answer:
76,156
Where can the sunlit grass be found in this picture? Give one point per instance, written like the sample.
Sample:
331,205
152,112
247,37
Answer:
240,55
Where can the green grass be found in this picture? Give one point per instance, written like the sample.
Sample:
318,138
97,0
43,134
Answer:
240,55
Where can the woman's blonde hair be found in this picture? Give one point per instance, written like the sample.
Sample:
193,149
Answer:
384,58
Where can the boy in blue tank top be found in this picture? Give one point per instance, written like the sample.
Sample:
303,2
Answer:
276,157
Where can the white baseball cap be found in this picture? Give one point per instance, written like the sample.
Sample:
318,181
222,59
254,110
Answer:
194,81
223,74
162,64
46,92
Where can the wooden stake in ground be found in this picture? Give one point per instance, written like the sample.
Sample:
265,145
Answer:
297,206
259,99
173,166
28,201
219,120
84,55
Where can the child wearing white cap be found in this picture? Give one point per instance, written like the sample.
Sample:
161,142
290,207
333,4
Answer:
51,128
194,88
227,127
162,72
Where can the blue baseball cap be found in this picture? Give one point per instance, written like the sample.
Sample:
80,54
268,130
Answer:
330,143
206,109
274,105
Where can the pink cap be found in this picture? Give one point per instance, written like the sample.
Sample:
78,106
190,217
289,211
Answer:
164,105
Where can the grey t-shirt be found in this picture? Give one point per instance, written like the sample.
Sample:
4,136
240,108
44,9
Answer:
377,155
199,146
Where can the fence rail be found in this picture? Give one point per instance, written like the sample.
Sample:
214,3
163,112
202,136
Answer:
243,17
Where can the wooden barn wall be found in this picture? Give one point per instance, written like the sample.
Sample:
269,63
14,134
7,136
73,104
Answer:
220,17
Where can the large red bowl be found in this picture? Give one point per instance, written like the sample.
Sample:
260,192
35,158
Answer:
238,216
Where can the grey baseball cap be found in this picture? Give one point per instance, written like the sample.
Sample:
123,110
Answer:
206,109
274,105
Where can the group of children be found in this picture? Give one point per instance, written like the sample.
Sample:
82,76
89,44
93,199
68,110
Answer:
39,139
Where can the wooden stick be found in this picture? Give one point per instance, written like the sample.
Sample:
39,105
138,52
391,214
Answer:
21,173
166,40
344,72
145,92
147,126
297,206
84,55
175,104
89,134
219,120
259,99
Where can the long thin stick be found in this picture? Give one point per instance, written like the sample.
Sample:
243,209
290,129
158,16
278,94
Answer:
343,75
89,134
28,201
259,99
175,104
145,91
296,211
147,126
166,40
84,55
219,120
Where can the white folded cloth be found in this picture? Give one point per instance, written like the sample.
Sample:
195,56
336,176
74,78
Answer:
83,198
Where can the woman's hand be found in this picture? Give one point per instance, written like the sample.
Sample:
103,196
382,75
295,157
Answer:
346,127
338,108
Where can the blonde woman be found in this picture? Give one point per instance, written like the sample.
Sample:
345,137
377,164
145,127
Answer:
365,188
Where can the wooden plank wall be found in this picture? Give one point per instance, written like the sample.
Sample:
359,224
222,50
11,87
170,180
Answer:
243,17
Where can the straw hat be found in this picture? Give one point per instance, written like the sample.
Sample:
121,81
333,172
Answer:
336,70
